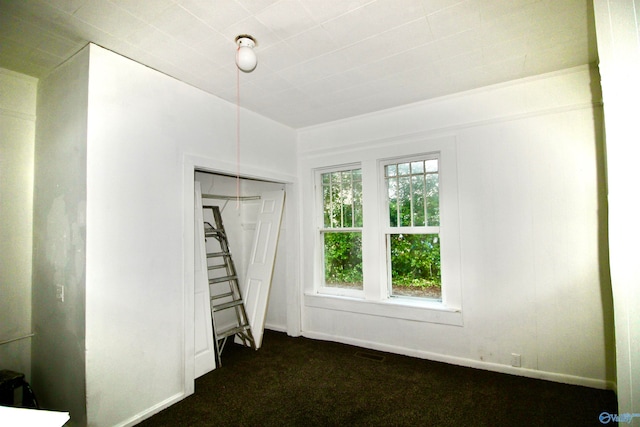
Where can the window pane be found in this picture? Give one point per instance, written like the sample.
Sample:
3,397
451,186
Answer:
433,199
343,260
326,201
431,165
336,206
390,170
415,265
393,201
342,199
417,184
346,196
335,178
357,203
417,167
403,169
404,200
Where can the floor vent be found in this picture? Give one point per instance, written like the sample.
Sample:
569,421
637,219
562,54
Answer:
370,356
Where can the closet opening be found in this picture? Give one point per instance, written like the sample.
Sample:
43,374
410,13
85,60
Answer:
256,244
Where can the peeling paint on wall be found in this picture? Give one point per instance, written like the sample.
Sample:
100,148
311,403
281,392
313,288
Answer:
65,242
78,233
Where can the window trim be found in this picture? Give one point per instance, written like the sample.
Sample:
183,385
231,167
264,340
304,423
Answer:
407,308
373,301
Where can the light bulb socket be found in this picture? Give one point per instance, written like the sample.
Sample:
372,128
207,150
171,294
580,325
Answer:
245,40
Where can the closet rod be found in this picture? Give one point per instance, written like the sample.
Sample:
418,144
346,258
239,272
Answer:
216,196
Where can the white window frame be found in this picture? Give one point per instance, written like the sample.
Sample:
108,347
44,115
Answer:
387,229
321,229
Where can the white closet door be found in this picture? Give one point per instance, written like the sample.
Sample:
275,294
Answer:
255,290
205,360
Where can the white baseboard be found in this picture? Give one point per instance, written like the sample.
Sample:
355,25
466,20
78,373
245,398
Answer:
460,361
136,419
277,328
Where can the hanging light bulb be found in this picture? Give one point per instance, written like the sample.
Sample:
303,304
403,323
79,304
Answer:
245,56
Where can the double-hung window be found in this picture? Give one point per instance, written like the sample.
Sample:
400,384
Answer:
386,231
341,231
412,227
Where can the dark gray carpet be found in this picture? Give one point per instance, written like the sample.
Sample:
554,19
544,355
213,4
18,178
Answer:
303,382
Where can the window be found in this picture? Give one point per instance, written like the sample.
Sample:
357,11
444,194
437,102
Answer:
413,227
384,230
341,231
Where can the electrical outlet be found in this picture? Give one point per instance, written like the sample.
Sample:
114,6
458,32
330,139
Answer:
60,293
515,360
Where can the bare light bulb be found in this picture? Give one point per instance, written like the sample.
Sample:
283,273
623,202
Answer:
246,59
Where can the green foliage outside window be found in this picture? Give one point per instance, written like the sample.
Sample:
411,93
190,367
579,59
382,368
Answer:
415,260
413,201
343,259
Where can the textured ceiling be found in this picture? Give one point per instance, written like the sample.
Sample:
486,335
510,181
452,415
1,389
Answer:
318,60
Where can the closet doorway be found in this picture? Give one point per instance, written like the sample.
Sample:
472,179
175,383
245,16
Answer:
240,202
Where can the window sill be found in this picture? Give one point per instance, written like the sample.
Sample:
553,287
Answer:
395,308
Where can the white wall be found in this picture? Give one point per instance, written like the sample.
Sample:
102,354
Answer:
17,138
116,149
618,37
146,133
59,230
534,273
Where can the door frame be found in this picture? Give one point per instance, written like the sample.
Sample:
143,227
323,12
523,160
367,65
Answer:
191,164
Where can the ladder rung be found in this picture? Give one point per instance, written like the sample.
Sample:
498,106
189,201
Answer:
222,279
215,267
212,232
219,296
217,254
226,305
232,331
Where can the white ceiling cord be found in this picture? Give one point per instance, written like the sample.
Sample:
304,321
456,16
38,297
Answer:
238,138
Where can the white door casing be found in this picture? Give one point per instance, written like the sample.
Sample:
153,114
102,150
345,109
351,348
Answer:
205,360
257,283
